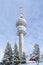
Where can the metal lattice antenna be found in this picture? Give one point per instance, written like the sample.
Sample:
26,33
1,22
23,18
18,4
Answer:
21,11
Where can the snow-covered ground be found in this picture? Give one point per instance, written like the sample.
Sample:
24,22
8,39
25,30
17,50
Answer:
32,63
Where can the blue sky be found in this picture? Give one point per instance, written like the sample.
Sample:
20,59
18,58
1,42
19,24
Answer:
9,13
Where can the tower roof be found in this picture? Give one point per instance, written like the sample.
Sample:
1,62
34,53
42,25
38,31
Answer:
21,21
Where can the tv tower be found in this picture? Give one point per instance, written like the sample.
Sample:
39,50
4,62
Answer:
21,31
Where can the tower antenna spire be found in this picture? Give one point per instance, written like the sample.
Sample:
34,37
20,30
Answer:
21,9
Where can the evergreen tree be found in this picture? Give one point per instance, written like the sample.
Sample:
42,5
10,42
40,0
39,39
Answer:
42,58
24,58
7,55
16,54
36,53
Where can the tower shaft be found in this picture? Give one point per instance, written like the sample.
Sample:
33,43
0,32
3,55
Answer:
21,46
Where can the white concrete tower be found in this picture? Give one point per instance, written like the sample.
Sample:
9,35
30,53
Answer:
21,31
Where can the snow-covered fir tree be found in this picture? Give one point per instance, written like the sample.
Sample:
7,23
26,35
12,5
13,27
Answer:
36,53
42,58
7,55
16,55
24,58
